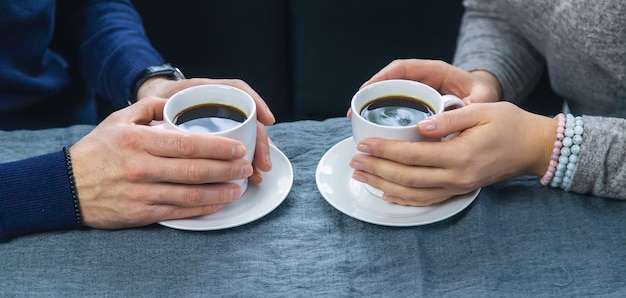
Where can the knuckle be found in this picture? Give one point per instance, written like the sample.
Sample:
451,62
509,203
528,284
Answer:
138,215
131,141
135,171
235,172
408,180
194,172
439,63
396,62
133,215
467,184
409,157
237,82
449,119
461,178
193,197
115,115
136,194
373,168
184,145
464,158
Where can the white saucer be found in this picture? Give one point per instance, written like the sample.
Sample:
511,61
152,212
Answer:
256,202
334,181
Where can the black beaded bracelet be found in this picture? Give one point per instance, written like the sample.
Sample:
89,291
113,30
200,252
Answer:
70,176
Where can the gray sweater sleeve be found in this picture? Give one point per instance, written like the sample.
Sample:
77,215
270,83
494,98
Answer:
487,42
601,168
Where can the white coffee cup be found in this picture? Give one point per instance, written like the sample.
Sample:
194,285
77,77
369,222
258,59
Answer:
216,95
363,128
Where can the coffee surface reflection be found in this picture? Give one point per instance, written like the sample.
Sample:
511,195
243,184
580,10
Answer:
209,118
396,110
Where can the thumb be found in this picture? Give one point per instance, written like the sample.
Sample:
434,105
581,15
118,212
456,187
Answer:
446,123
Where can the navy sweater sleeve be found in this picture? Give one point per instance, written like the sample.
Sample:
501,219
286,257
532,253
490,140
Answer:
114,47
35,196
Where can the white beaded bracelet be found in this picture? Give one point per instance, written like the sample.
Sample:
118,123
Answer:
569,149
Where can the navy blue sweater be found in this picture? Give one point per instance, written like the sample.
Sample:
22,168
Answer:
56,56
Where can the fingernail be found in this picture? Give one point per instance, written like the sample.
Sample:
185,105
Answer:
217,208
359,177
236,192
427,125
238,150
388,198
357,165
246,171
268,160
363,148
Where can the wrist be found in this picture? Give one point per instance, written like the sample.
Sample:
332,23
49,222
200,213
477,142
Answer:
164,71
546,147
150,87
72,184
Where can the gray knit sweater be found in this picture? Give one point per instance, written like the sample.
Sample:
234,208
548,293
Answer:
582,45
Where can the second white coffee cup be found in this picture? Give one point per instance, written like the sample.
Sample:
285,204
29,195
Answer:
363,128
214,97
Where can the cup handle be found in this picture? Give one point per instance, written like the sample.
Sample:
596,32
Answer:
451,102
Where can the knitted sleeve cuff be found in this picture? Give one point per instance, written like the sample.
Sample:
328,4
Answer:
35,196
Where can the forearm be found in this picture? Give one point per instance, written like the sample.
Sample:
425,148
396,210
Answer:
35,196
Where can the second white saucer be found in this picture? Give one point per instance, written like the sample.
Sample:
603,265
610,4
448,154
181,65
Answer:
334,181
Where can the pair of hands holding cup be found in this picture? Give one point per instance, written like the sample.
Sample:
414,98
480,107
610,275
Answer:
130,174
497,140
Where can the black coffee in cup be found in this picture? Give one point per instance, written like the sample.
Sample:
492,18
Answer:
396,110
209,117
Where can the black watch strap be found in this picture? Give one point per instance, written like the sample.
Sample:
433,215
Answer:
166,70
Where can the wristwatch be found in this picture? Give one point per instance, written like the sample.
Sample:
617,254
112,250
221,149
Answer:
165,70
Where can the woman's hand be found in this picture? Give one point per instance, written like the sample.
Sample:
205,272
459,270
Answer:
471,87
498,141
476,86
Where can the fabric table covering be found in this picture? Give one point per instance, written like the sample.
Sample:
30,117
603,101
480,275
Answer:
518,238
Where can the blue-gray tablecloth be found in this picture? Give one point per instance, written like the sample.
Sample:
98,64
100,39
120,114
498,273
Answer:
517,238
